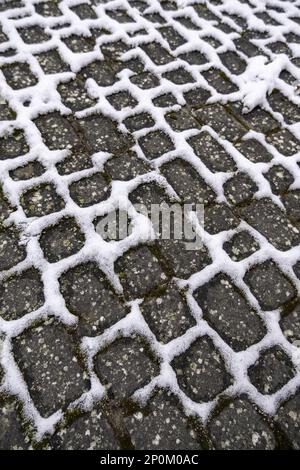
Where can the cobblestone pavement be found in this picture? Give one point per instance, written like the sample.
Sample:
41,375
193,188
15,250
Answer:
141,344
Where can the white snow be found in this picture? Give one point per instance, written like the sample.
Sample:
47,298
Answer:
258,80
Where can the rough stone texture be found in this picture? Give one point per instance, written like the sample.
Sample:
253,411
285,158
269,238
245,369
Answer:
161,426
227,311
30,296
271,221
125,366
90,431
139,272
287,418
11,251
45,356
201,371
239,426
272,371
167,314
61,240
269,285
145,109
89,296
11,435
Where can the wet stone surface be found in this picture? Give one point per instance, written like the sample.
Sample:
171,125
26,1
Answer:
11,435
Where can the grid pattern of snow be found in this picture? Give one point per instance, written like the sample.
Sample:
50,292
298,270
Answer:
259,79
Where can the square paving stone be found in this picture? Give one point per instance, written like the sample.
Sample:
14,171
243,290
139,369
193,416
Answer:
100,71
279,178
6,113
77,43
285,142
254,151
90,297
41,200
247,47
139,121
61,240
233,62
288,419
194,57
196,97
222,122
272,371
181,120
18,75
239,426
125,366
269,285
84,11
28,171
219,217
167,315
11,251
122,99
240,188
114,50
33,34
258,119
158,54
179,76
241,245
272,223
57,131
75,96
173,38
291,201
186,255
281,104
164,101
155,144
11,435
90,431
120,15
145,80
48,8
90,190
228,312
139,272
204,12
46,357
161,425
77,160
20,294
5,207
211,153
13,145
148,194
290,324
219,81
103,135
187,182
126,167
201,371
